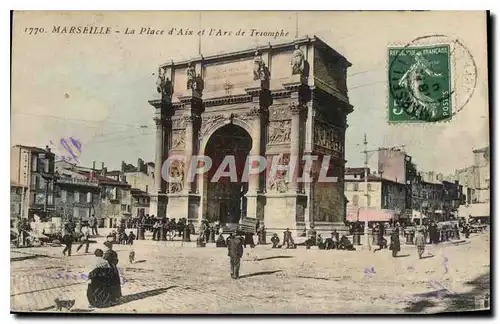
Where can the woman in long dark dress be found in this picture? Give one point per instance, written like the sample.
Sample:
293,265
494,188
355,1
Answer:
111,256
99,292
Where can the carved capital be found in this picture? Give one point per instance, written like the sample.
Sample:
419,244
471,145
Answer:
191,118
160,122
297,108
257,111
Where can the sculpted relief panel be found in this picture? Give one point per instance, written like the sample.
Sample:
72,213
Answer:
277,182
279,113
178,123
328,202
329,138
177,176
279,132
178,139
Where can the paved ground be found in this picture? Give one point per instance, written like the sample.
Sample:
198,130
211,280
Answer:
169,278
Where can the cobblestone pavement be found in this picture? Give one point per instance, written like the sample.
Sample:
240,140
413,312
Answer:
168,278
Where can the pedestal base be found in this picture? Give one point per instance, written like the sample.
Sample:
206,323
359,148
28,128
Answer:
284,211
183,206
158,205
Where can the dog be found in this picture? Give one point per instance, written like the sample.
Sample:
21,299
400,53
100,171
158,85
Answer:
60,304
131,256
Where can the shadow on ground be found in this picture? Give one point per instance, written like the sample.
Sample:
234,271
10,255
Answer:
28,257
453,302
262,273
275,257
402,256
144,294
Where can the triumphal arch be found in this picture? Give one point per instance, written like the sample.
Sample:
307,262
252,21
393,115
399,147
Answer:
276,101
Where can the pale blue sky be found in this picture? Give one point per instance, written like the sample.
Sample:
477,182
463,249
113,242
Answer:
97,87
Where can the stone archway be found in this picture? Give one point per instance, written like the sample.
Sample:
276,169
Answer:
224,200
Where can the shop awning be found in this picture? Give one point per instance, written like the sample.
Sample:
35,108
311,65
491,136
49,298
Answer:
380,215
474,210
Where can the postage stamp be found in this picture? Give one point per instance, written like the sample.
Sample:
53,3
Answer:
430,79
420,84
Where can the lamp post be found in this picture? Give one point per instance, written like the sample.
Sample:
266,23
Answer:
366,240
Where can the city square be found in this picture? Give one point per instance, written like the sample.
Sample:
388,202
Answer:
178,277
359,165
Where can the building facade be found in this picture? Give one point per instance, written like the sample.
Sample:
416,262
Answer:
77,197
33,169
141,179
90,191
385,199
17,193
281,101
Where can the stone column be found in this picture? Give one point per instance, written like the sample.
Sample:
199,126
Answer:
188,151
254,179
296,109
159,145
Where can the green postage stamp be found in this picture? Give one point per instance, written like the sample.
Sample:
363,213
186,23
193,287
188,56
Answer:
420,84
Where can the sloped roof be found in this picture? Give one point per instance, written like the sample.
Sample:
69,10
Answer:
103,179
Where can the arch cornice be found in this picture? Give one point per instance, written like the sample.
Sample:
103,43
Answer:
218,124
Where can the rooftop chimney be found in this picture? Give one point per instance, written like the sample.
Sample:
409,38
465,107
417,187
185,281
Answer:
93,164
102,165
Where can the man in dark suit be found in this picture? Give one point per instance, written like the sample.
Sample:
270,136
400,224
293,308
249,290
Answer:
235,252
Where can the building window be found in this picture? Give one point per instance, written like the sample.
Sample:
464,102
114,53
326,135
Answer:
70,197
370,187
368,200
356,186
63,196
39,199
34,163
355,200
82,197
124,207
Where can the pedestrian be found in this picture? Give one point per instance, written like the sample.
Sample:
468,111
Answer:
99,292
319,242
156,230
287,236
466,230
67,238
220,241
312,233
93,225
84,240
115,286
395,244
457,232
420,242
335,237
261,234
235,252
275,240
131,238
379,237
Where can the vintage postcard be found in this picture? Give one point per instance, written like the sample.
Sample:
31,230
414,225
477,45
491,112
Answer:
259,162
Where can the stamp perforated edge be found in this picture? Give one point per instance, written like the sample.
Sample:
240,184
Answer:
427,40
